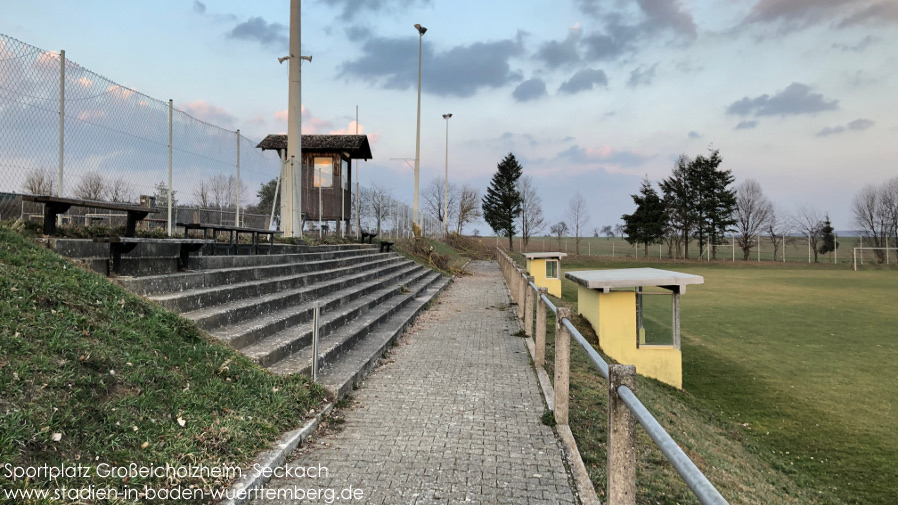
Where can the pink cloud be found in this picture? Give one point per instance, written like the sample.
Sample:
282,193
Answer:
310,124
47,59
209,113
120,92
351,130
90,115
84,81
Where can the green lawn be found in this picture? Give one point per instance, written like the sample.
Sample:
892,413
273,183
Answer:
798,362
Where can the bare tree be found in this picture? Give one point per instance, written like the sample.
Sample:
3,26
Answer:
752,212
378,200
810,223
872,216
890,205
469,210
91,186
619,229
608,231
40,182
434,201
119,190
578,214
777,228
202,196
532,220
560,230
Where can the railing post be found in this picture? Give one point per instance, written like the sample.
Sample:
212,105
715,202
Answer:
540,345
528,306
522,293
621,466
562,365
316,323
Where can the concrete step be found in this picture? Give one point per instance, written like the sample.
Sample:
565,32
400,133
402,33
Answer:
344,374
242,311
336,341
307,254
274,337
281,265
288,277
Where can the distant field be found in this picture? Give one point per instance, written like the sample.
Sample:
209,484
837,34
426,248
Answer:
801,361
796,249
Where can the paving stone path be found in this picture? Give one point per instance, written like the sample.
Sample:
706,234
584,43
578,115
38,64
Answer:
453,416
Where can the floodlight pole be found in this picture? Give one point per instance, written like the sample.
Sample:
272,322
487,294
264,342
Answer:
421,31
446,181
293,178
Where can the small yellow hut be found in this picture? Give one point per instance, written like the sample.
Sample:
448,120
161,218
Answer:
545,267
613,301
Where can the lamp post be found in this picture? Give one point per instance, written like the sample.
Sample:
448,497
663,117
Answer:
446,181
421,32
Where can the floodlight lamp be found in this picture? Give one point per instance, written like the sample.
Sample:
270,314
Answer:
447,116
421,29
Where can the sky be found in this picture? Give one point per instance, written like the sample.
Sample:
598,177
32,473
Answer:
589,95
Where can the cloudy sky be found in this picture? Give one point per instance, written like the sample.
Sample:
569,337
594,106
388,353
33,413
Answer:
590,95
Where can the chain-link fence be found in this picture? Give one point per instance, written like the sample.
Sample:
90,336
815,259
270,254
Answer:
67,131
387,216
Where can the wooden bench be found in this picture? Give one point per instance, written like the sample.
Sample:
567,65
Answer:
234,235
386,246
123,245
368,236
55,205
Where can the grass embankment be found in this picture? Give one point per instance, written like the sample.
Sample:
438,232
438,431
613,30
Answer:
91,374
439,255
789,386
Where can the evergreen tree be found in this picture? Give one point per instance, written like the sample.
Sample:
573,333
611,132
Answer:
267,197
646,224
829,243
680,200
718,200
699,202
502,203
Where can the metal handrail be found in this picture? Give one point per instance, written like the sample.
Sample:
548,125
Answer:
706,493
703,489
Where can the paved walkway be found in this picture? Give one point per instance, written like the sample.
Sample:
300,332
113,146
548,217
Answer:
452,417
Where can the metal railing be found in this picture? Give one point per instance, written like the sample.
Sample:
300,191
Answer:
625,408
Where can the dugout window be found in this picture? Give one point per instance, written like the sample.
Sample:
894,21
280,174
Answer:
551,269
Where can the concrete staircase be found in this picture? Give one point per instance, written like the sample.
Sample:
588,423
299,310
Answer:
263,305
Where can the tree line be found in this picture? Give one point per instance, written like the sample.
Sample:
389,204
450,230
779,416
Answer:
698,202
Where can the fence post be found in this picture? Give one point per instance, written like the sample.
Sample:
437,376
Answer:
528,307
61,120
522,291
562,365
316,321
621,466
237,215
540,344
170,120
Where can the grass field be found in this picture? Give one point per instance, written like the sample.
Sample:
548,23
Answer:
798,363
796,249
